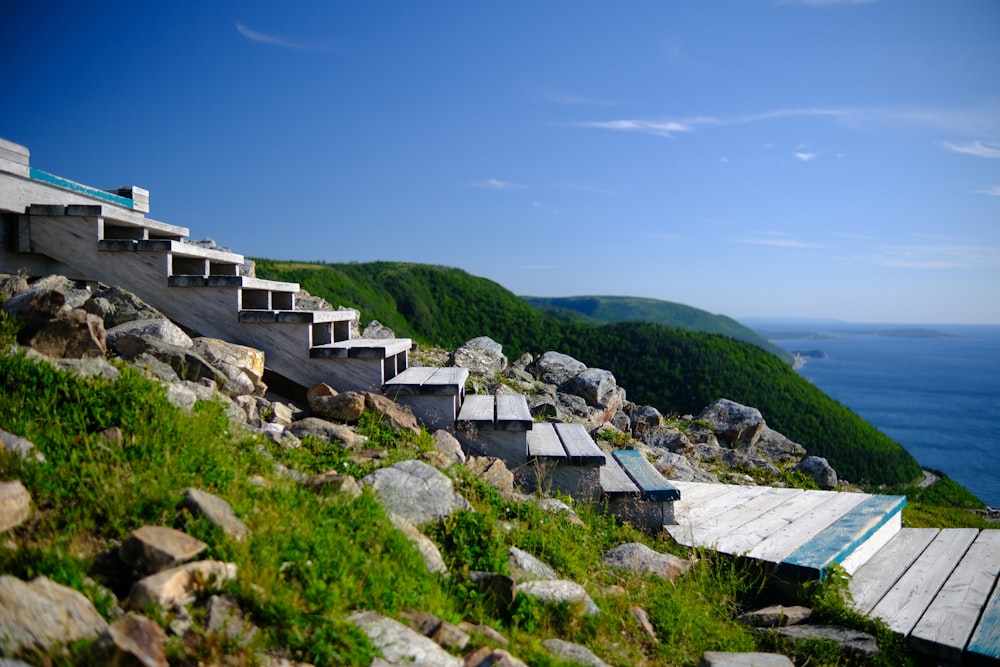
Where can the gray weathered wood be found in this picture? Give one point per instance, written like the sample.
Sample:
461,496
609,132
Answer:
478,410
544,443
513,413
949,621
874,579
614,481
733,519
767,536
580,447
903,605
650,482
985,640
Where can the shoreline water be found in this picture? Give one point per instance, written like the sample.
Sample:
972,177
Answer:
933,389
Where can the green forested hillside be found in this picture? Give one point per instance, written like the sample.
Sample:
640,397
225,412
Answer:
609,309
678,371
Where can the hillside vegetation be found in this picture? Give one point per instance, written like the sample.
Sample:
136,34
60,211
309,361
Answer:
678,371
609,309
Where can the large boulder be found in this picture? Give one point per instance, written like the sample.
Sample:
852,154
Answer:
596,386
482,355
184,362
42,615
118,305
399,417
734,423
73,334
556,367
157,328
250,360
416,491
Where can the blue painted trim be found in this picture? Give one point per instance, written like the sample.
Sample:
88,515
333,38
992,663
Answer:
66,184
846,534
986,638
651,483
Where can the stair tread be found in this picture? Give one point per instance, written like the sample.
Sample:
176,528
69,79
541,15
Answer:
245,282
503,412
429,380
120,216
848,532
651,483
361,348
178,248
614,480
249,315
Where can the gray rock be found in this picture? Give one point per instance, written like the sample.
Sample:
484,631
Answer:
734,423
644,418
21,446
401,645
237,383
124,307
642,618
399,417
570,406
71,296
670,438
11,285
851,642
40,615
187,365
525,567
15,505
322,430
160,329
153,368
543,404
180,395
640,558
180,585
217,511
133,640
775,616
523,362
88,367
680,468
559,590
225,616
306,301
416,491
482,355
722,659
556,506
151,549
449,446
596,386
571,652
428,550
820,470
377,330
776,447
556,367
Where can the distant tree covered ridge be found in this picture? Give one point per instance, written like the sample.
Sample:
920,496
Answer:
608,309
678,371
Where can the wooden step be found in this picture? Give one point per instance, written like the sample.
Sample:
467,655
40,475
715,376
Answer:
635,492
503,412
295,316
115,223
183,259
362,348
652,485
434,394
856,535
563,458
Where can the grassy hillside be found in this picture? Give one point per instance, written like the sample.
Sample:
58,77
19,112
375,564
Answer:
610,309
677,371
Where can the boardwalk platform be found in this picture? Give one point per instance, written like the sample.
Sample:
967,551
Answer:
940,588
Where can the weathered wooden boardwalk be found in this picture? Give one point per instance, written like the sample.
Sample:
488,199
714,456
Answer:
940,588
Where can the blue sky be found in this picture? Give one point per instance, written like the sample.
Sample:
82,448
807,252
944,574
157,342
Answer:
752,158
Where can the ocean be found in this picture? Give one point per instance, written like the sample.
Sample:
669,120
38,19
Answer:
934,389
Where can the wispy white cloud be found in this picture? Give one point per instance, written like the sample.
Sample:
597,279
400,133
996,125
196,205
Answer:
937,256
494,184
805,157
776,240
276,40
666,128
993,190
977,148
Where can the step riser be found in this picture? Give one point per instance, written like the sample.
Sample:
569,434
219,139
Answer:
582,483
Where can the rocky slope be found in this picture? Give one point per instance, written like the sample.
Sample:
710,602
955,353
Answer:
83,330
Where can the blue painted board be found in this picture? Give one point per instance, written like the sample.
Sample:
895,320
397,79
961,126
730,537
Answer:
986,639
846,534
651,483
66,184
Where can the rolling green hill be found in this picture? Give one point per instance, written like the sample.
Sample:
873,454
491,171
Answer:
676,370
609,309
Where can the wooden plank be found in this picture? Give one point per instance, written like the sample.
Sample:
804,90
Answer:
699,505
986,639
838,540
614,481
579,446
650,482
453,375
948,624
766,535
786,540
544,443
410,380
478,410
903,605
513,413
883,570
733,519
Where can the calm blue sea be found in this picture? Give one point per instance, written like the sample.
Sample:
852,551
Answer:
935,389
